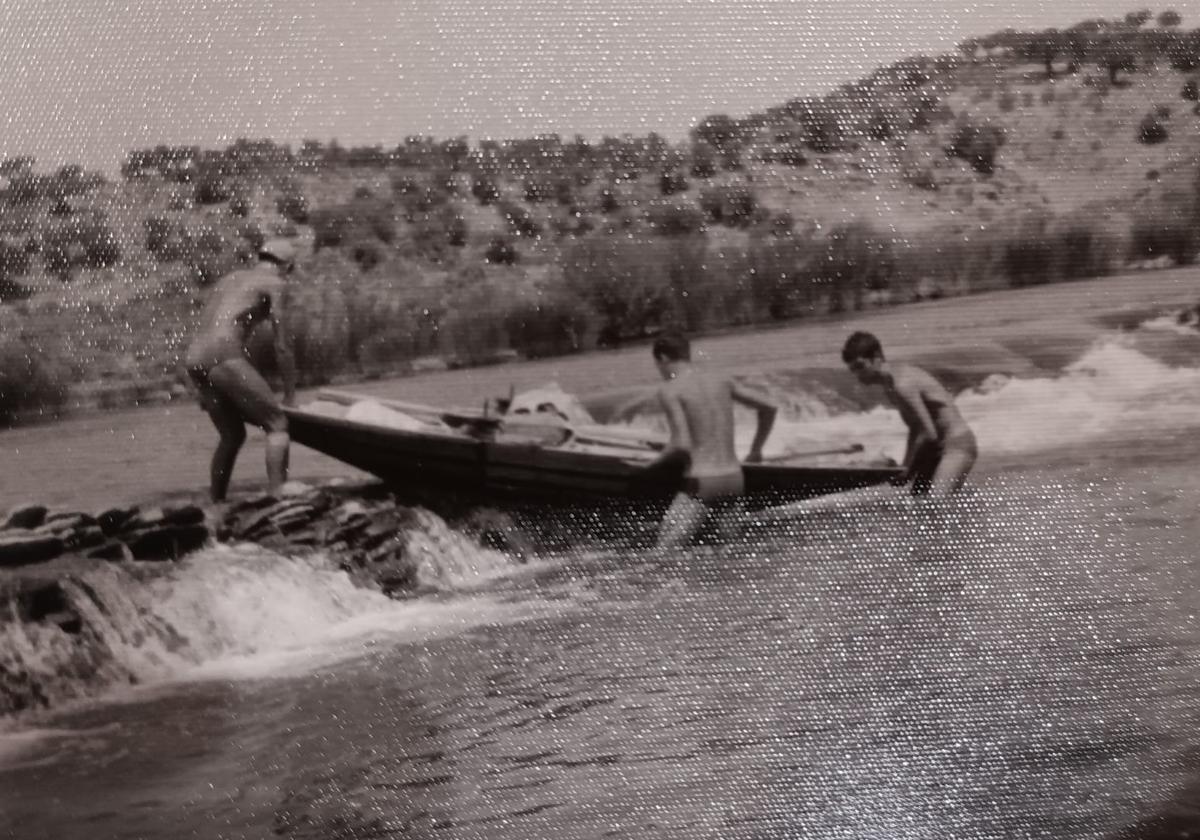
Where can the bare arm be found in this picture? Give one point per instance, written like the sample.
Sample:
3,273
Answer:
766,410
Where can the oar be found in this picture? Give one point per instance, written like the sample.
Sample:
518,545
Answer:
813,453
449,416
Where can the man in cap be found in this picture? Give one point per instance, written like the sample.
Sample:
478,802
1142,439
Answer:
218,363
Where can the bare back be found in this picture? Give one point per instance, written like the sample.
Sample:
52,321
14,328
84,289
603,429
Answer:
700,412
914,391
240,301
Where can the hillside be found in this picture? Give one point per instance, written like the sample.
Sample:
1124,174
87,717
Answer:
1011,164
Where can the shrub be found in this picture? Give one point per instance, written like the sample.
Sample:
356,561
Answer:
14,262
1151,130
485,191
211,190
977,145
501,251
614,275
538,189
293,206
734,205
473,329
609,203
549,325
671,182
366,254
1029,254
239,207
253,235
164,239
79,245
674,219
33,379
1164,233
1081,248
704,160
363,217
1191,91
792,154
856,259
456,231
520,221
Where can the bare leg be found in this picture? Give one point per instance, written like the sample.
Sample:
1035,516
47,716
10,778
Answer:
233,435
681,521
951,472
277,460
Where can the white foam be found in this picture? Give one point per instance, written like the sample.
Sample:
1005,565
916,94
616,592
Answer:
1112,390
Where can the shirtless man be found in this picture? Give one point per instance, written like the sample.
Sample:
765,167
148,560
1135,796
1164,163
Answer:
218,365
699,410
941,446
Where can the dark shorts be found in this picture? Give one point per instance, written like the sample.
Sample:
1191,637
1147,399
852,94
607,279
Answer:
929,458
234,390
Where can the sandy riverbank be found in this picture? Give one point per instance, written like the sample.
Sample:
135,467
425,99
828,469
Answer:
162,452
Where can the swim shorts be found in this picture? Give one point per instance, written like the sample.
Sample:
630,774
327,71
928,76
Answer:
235,387
930,457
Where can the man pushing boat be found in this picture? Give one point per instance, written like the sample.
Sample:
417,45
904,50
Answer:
228,387
699,411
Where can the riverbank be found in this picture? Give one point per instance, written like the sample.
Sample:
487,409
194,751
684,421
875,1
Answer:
161,453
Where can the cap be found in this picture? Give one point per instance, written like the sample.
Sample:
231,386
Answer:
279,251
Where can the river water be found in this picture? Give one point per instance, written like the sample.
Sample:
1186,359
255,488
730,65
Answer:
1026,664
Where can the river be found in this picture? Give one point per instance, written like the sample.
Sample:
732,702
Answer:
1023,665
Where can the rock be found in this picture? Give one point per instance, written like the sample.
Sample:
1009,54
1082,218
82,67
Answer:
26,516
111,550
186,515
66,519
113,520
85,537
21,551
148,518
166,543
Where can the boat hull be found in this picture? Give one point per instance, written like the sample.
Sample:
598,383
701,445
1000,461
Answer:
495,469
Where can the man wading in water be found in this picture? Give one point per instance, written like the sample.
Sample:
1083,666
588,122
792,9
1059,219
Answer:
699,409
941,446
229,388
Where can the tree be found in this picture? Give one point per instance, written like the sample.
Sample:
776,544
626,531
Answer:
1169,19
720,131
1138,19
1114,58
17,167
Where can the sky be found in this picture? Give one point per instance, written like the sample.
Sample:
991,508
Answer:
85,81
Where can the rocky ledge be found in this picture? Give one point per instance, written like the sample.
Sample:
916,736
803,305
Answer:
362,528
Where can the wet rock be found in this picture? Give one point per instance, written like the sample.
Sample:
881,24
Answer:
186,515
24,550
111,550
26,516
68,520
169,542
84,537
113,520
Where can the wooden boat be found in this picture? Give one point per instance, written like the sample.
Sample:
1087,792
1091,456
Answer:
532,458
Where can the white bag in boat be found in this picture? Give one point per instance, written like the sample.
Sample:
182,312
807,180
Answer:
552,400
